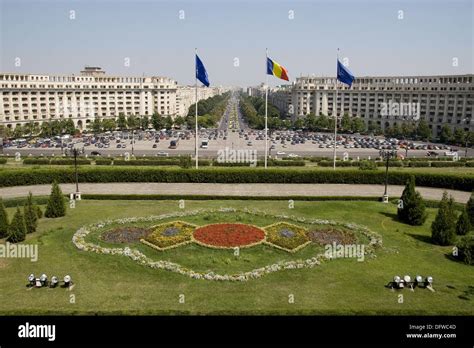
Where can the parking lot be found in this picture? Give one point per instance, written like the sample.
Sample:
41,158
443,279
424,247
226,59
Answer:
281,144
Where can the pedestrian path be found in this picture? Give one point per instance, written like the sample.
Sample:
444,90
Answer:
255,190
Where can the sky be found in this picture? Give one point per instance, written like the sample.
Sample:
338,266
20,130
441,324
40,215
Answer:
157,37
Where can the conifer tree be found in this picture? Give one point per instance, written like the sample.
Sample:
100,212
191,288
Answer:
3,220
30,214
56,205
463,226
17,228
443,228
412,207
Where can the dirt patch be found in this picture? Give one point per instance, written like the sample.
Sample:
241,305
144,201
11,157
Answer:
3,263
332,235
125,234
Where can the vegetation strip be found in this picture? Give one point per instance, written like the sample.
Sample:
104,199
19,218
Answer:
27,176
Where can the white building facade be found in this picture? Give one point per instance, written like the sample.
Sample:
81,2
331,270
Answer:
27,98
384,101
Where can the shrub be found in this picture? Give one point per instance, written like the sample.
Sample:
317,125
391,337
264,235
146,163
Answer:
69,161
412,209
3,160
36,161
367,165
56,205
465,246
447,164
418,164
17,228
39,212
463,226
470,209
185,162
443,228
30,214
3,220
103,161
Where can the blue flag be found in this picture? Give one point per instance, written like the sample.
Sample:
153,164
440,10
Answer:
343,74
201,73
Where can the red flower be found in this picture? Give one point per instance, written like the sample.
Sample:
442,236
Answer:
229,235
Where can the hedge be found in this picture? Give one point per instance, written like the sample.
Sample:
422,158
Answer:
270,163
55,161
3,160
448,164
418,164
29,176
155,162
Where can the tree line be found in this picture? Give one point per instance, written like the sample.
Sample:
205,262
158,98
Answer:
210,111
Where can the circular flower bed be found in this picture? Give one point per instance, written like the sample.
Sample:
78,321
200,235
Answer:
229,235
125,234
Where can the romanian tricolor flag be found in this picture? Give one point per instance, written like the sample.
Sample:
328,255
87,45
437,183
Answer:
275,69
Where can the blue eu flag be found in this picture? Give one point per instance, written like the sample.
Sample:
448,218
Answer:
343,74
201,73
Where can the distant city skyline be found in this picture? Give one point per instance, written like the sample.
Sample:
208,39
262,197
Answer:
379,38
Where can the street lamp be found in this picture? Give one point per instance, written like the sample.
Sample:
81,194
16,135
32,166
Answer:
76,152
387,155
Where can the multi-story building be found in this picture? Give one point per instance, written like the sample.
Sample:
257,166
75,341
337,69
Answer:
36,98
383,101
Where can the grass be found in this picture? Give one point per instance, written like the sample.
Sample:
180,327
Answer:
107,284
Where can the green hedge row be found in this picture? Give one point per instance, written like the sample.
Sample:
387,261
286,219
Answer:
29,176
270,163
3,160
55,161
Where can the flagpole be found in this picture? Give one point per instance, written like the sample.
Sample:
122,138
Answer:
196,114
266,108
335,118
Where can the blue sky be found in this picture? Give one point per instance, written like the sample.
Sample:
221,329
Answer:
157,42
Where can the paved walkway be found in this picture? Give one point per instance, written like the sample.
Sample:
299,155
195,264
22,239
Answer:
234,190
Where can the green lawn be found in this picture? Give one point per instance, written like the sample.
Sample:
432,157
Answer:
108,284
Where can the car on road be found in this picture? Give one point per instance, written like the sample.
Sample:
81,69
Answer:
163,154
95,153
292,155
281,153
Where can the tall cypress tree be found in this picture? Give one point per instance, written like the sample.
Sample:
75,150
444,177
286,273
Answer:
3,220
56,205
412,210
443,228
17,228
31,215
463,226
470,209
